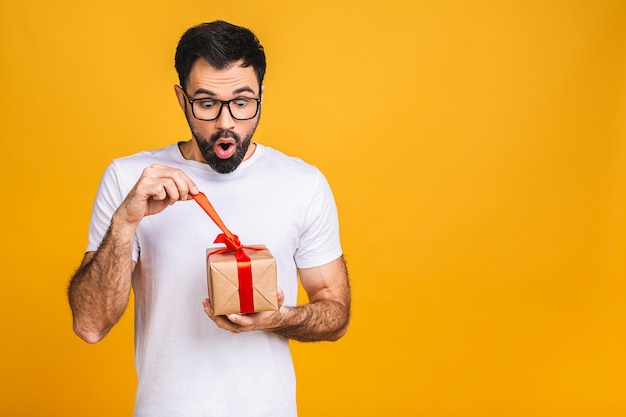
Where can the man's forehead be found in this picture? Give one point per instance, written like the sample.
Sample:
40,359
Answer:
230,80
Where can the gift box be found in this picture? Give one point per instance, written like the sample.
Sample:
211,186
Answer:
239,285
241,279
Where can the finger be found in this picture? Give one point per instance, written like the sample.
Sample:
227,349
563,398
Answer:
206,304
184,185
223,323
171,189
220,321
176,182
239,319
280,296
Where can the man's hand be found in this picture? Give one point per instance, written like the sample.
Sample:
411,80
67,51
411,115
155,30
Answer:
237,323
158,187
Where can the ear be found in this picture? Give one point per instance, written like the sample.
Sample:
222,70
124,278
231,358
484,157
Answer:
180,96
262,91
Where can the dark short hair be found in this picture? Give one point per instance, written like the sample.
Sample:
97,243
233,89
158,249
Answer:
221,44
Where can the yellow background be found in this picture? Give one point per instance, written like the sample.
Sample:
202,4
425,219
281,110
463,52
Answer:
478,157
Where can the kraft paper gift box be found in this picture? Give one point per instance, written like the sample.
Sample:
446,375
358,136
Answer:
223,274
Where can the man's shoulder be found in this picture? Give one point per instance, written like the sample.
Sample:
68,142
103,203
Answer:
280,161
143,159
148,155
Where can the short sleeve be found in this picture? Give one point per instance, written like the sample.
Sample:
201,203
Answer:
319,242
108,199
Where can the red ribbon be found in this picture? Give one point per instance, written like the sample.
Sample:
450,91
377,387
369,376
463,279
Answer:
244,267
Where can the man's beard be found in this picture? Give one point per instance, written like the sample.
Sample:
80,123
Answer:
207,148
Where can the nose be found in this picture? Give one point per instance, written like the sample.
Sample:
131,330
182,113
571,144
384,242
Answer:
225,121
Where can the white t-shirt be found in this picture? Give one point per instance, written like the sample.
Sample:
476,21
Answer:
186,365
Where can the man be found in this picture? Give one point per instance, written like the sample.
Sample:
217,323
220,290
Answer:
145,233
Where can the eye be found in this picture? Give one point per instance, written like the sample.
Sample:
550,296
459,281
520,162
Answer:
206,103
241,102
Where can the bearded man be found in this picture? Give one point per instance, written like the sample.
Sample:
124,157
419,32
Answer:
145,234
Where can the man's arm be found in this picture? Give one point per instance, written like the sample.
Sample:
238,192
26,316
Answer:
99,290
325,317
327,314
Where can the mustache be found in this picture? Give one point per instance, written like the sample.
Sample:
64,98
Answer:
225,134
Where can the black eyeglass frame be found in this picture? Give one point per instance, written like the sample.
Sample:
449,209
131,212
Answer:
222,104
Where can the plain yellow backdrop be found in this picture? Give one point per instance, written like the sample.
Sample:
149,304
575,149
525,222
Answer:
477,154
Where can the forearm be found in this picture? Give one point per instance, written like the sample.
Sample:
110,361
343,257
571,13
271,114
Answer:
99,290
324,320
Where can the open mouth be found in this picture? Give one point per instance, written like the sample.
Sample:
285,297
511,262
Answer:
225,147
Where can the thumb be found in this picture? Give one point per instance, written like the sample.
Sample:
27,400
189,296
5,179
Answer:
280,296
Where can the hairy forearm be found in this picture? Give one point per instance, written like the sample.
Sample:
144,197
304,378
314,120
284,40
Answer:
325,320
99,290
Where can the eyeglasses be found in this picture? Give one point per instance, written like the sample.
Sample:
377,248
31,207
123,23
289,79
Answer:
208,109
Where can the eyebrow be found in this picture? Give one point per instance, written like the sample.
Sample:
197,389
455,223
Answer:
211,93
